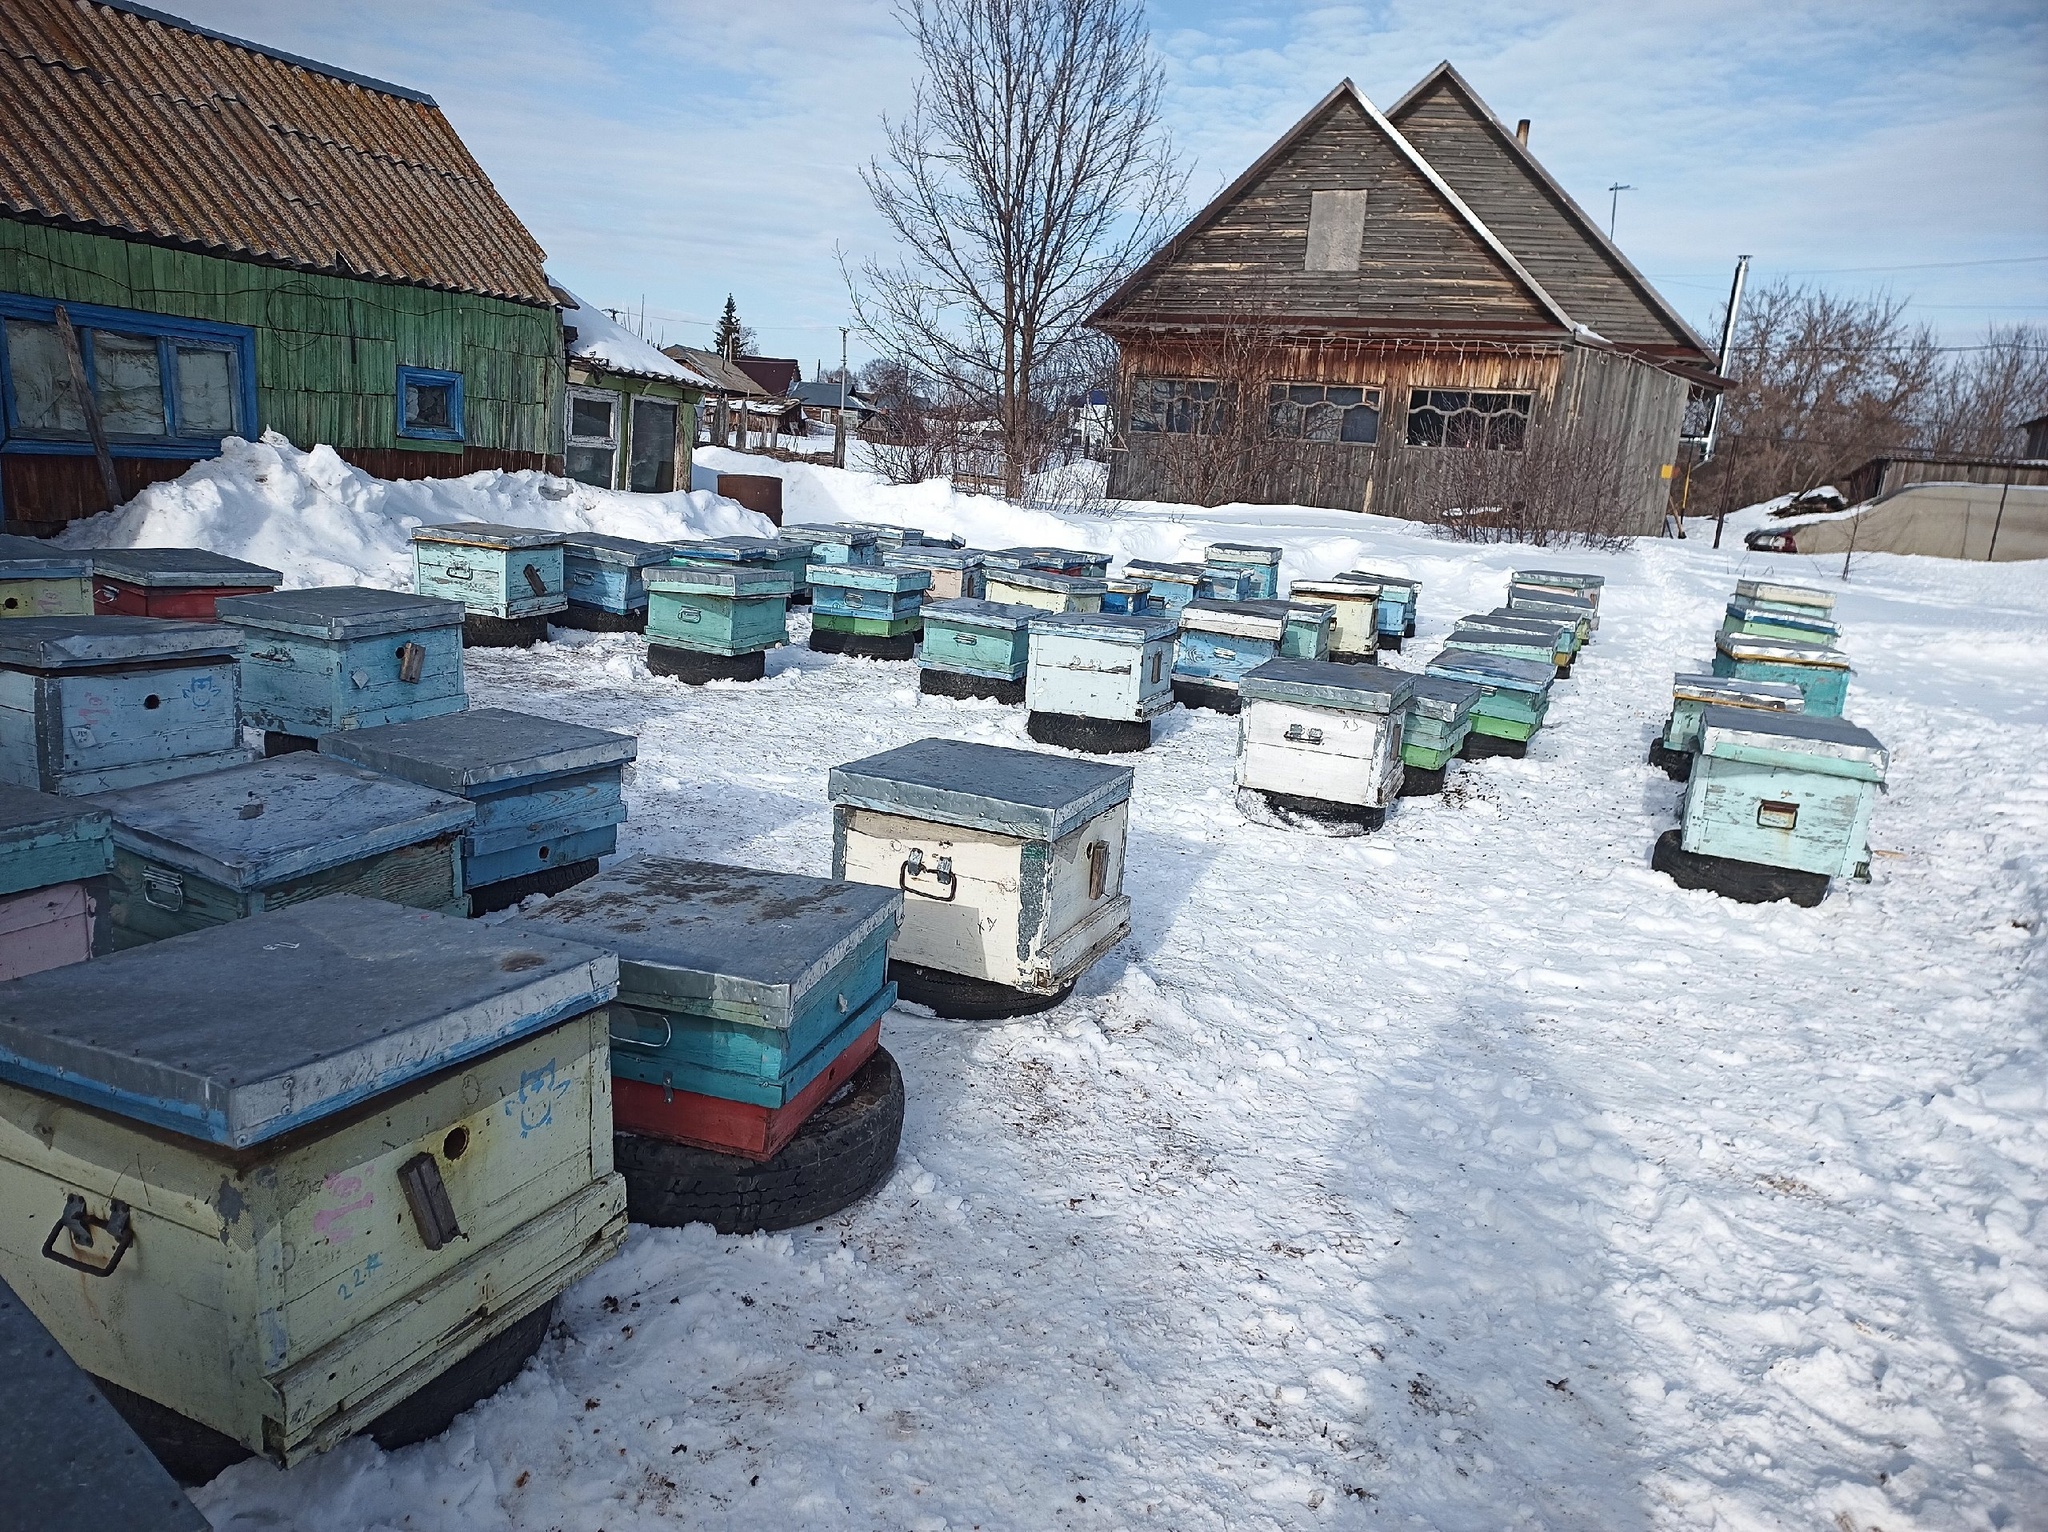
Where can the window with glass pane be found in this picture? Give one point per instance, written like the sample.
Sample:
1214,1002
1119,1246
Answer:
44,401
128,378
1178,406
1324,412
1439,417
590,465
429,406
652,468
591,455
590,415
207,385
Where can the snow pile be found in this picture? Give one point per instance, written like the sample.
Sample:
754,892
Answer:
1466,1175
604,342
322,521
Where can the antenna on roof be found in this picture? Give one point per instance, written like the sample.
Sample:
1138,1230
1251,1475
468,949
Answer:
1614,206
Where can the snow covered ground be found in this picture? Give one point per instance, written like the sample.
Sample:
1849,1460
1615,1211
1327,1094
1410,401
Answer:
1467,1175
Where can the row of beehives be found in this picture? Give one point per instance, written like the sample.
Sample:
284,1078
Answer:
1779,785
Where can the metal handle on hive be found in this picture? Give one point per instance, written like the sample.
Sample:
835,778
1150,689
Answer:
913,867
80,1224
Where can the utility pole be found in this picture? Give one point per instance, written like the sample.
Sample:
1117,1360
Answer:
1721,364
1614,205
839,415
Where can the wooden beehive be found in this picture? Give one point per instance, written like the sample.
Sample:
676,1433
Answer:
1796,600
1562,581
549,796
1044,589
1783,790
869,610
1514,696
1173,586
1571,632
93,703
1260,566
321,1156
37,580
1129,597
510,579
716,609
605,580
1012,861
1098,679
745,997
1763,620
171,582
195,853
975,649
1434,728
55,854
956,572
1541,602
1219,641
1819,671
1398,598
1354,629
842,543
1079,562
1693,694
345,657
1309,626
1548,643
1314,734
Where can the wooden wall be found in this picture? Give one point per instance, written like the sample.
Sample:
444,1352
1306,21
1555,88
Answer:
328,351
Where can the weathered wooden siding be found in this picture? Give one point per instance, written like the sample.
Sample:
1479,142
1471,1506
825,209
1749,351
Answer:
328,351
1532,218
1420,265
1632,409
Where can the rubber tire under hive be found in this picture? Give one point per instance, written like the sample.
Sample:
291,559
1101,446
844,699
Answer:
481,631
960,998
864,646
1479,746
595,619
1744,882
1200,694
506,892
693,667
1096,736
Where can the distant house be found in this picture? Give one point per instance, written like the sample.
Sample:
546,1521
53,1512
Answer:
629,418
1883,477
2037,437
777,375
217,239
1414,284
741,406
821,401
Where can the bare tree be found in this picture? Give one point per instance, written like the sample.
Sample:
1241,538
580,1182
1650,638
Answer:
1979,402
1558,489
1028,178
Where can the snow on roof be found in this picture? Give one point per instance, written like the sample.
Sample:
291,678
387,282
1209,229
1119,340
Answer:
595,337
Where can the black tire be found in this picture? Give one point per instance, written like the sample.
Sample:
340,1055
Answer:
1390,643
1744,882
276,742
953,683
1423,781
960,998
1408,628
844,1151
480,631
197,1454
1675,764
693,667
1479,746
595,619
425,1414
1292,812
1096,736
507,892
1200,694
864,646
1564,671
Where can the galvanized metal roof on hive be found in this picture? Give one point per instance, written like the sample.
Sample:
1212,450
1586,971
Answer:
144,126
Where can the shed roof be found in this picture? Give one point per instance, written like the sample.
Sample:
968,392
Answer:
593,337
141,125
724,376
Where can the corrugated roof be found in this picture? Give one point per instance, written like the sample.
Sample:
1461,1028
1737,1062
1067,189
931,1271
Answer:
127,121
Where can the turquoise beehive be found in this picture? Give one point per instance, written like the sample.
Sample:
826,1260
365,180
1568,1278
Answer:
1434,728
1514,696
1692,694
715,622
1259,565
510,579
872,611
975,649
1820,671
55,854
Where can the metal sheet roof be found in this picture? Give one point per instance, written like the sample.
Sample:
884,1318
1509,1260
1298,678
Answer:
137,124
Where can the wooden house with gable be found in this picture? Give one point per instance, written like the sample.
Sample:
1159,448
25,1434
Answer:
1389,288
202,237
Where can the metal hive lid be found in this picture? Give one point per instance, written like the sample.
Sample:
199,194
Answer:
1788,595
487,534
1045,579
1443,697
1539,598
1242,553
267,822
928,556
882,577
1107,627
688,930
1496,670
463,753
1693,687
1024,793
1780,651
339,612
29,818
1813,619
1558,577
1321,683
1236,619
179,566
1172,574
30,558
1331,590
1527,622
1832,739
967,612
849,533
734,550
1398,582
719,580
243,1031
80,643
607,549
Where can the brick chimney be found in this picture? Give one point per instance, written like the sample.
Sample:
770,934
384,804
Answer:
1522,132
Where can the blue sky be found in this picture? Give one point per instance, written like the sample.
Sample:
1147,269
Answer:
668,151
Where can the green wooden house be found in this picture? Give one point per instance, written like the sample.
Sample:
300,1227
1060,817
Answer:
631,415
205,237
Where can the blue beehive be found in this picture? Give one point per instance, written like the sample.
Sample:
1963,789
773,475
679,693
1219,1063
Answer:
1129,597
37,580
760,989
1771,619
1571,631
867,610
92,703
344,657
1219,641
1692,695
1819,671
1775,791
1097,679
1514,696
603,578
975,649
55,854
842,543
548,795
509,578
200,852
734,552
1173,586
1398,599
708,621
1260,565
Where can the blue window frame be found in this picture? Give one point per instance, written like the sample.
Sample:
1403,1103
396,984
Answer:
164,386
429,404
